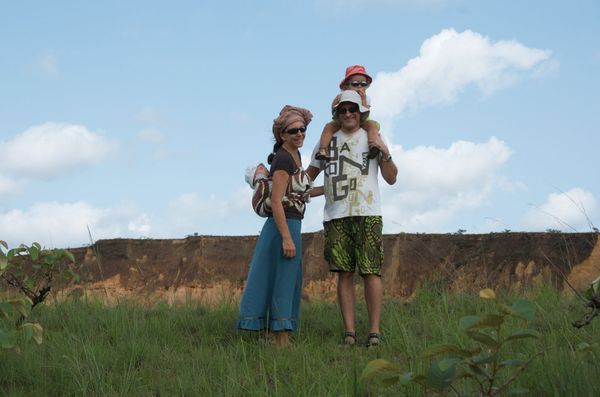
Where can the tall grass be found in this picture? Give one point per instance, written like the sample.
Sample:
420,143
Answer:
190,350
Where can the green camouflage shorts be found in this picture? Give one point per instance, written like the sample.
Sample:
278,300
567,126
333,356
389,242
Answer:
352,241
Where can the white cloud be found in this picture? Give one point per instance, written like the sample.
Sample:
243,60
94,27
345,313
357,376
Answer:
7,186
54,224
141,225
48,64
448,63
434,185
191,212
51,149
569,211
151,135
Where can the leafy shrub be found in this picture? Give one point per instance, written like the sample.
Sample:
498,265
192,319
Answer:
592,297
31,271
483,364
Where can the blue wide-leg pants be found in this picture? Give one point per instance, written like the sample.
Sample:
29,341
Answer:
271,299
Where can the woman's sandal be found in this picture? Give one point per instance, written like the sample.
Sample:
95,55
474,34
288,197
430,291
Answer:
346,338
372,343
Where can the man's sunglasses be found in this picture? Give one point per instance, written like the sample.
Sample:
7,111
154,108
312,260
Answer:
359,83
343,110
294,131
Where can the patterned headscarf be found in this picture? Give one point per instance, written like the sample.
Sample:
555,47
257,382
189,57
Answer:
287,116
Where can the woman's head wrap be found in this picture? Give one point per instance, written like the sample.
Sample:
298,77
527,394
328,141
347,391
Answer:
287,116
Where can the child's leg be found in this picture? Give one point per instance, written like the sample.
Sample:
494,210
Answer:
372,128
326,136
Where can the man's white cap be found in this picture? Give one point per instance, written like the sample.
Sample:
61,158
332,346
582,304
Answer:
354,97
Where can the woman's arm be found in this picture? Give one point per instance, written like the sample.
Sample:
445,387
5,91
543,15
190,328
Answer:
313,172
280,182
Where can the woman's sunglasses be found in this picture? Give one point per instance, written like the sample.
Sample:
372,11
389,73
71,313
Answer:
359,83
294,131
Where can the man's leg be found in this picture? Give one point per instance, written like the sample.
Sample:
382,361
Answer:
370,257
346,299
339,253
373,297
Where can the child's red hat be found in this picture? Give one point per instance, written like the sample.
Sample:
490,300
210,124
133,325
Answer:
352,70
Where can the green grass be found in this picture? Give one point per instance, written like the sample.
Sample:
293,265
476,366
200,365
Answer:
128,350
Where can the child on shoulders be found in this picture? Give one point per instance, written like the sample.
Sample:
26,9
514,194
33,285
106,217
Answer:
356,79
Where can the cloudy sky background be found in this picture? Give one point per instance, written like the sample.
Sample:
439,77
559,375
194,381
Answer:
137,119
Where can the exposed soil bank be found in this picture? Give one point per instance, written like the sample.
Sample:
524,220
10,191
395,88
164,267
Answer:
211,268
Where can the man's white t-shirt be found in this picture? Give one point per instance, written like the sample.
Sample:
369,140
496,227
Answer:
351,178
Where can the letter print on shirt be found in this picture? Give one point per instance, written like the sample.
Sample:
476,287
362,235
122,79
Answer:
348,170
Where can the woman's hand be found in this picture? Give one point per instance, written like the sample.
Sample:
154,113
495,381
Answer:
289,249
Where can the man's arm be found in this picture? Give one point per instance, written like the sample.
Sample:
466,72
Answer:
313,172
389,171
317,191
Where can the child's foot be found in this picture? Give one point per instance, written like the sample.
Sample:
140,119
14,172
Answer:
373,151
322,154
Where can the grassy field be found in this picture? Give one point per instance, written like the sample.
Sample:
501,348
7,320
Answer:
128,350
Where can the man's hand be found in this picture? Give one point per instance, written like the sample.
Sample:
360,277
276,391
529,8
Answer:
379,144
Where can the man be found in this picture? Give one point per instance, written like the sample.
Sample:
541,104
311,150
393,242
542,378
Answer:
352,215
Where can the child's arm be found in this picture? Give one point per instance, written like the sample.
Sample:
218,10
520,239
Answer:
328,131
363,98
372,128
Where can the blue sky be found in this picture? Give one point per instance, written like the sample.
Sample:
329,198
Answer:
138,118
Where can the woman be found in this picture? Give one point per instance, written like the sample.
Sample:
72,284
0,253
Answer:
271,300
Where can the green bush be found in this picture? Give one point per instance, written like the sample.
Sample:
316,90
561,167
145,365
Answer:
31,271
482,364
592,299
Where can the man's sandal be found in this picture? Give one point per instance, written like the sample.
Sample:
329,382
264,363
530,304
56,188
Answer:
373,152
322,154
371,343
349,338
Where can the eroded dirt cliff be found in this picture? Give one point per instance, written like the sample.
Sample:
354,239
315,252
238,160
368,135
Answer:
212,268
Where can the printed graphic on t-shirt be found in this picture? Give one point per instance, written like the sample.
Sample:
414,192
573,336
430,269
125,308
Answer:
351,179
344,171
